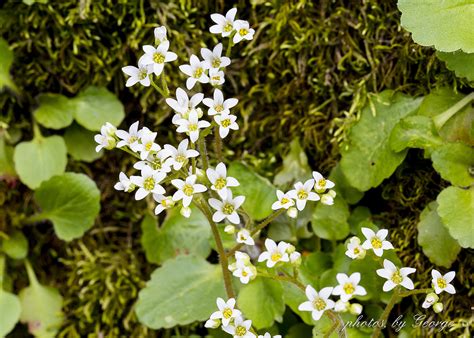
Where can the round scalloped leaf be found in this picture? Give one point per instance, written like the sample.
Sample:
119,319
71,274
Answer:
446,25
55,111
95,106
330,221
456,209
80,143
295,165
414,132
15,246
459,62
434,238
10,309
454,161
262,302
40,159
6,60
71,201
182,291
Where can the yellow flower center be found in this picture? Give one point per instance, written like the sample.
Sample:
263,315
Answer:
216,78
220,183
188,189
276,257
226,123
319,304
149,183
158,58
302,195
284,200
348,288
227,313
356,251
132,139
216,63
219,108
244,273
148,146
142,74
164,202
198,72
441,283
228,27
193,127
180,158
156,164
243,31
397,277
240,331
322,183
376,243
228,209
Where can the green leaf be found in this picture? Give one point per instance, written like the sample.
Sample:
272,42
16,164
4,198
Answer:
459,62
71,201
367,158
350,194
295,165
446,25
330,221
182,291
456,209
6,60
96,106
434,238
15,246
262,301
177,236
293,297
454,162
41,307
7,167
40,159
10,309
414,132
259,192
80,144
358,215
55,111
313,267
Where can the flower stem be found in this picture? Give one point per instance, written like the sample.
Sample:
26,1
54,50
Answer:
338,324
203,152
157,88
441,119
384,317
166,91
230,44
218,144
2,270
284,278
130,152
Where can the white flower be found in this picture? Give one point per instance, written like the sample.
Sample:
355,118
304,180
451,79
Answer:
354,249
348,286
303,193
191,126
268,335
226,311
185,212
216,77
295,258
226,122
320,183
147,145
244,271
183,105
240,258
160,34
157,56
129,138
124,183
240,328
195,70
328,198
212,323
395,276
292,212
148,183
157,161
224,24
356,309
186,189
140,74
219,180
376,241
164,202
442,283
214,58
242,31
438,307
106,137
341,306
227,208
284,201
229,229
181,154
317,302
430,299
218,105
243,236
275,253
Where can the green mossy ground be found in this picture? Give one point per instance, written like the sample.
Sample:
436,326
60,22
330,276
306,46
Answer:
306,74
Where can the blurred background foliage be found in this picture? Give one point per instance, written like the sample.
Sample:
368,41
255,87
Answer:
308,72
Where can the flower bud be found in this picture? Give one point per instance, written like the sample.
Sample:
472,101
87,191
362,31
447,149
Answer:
213,323
229,229
185,211
109,129
290,249
292,212
199,112
438,307
242,257
355,309
232,267
430,299
295,258
111,143
328,198
341,306
131,187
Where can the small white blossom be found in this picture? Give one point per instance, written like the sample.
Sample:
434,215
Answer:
106,137
275,253
214,58
185,212
303,193
183,105
240,258
438,307
442,283
157,161
224,24
356,309
129,138
187,189
245,272
354,249
180,155
430,299
284,201
242,31
243,236
342,306
217,105
191,126
317,302
216,77
292,212
148,183
328,198
240,328
348,286
395,276
164,203
195,70
147,145
226,311
376,241
295,258
160,34
212,323
320,183
124,183
219,180
156,57
226,122
229,229
268,335
138,74
227,208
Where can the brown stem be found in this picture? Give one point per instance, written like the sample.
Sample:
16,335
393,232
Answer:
218,144
203,153
384,317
